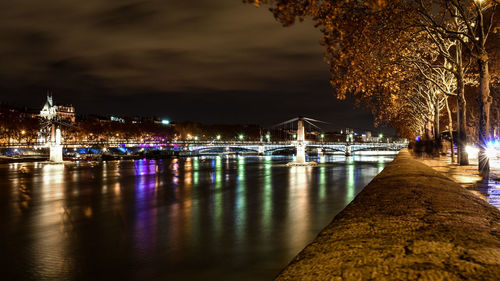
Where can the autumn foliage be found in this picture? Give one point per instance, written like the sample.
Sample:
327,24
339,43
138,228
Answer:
374,48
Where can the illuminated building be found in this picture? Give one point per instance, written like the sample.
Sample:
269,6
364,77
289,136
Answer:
50,111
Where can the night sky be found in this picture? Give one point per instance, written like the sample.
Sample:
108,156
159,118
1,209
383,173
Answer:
211,61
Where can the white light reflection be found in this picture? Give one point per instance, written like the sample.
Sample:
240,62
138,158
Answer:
51,222
298,205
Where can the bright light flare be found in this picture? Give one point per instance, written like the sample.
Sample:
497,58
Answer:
472,151
491,152
491,149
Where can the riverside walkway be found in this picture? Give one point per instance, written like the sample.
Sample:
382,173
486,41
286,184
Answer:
410,222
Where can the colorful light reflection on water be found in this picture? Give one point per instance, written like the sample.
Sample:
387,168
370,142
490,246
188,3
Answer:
221,218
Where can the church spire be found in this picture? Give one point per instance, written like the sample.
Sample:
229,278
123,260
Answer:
49,99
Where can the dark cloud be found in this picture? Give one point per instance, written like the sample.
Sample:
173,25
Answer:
205,60
126,15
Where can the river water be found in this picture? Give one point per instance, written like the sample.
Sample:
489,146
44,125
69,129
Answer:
209,218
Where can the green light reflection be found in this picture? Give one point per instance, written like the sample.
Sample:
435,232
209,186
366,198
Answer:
350,182
381,164
218,172
322,182
196,175
241,170
267,194
240,207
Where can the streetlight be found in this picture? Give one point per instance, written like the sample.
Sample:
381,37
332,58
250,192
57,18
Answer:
218,137
23,132
195,138
241,136
268,137
322,136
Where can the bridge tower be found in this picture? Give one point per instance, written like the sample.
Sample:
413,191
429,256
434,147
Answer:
300,142
261,150
348,150
56,149
301,147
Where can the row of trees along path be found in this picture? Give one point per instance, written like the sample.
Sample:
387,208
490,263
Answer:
408,60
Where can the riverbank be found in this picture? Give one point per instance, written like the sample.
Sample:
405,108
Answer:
409,222
24,159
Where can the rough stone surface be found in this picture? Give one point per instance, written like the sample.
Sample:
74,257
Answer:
409,223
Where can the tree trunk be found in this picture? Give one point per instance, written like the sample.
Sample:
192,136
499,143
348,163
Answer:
497,115
450,126
437,136
463,158
484,116
428,130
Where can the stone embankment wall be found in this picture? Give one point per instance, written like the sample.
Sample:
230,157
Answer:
409,223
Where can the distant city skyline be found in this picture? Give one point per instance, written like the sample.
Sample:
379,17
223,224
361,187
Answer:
327,127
